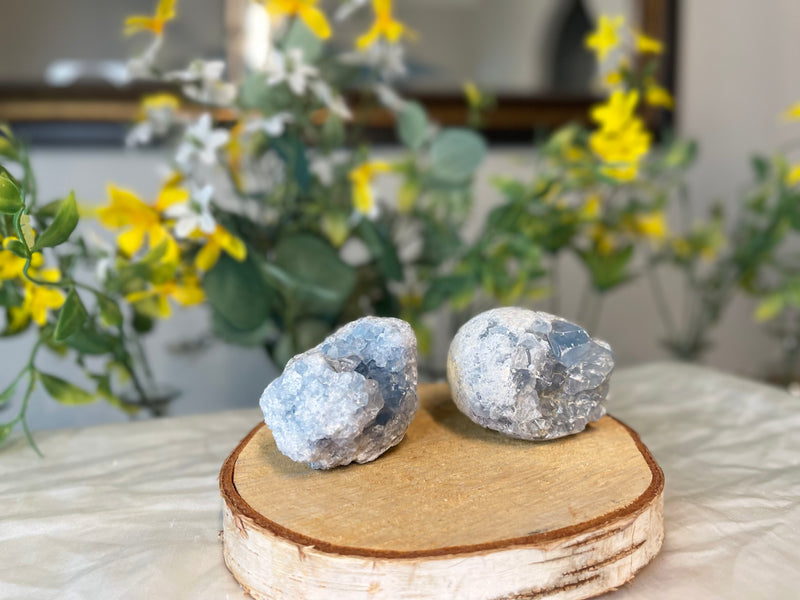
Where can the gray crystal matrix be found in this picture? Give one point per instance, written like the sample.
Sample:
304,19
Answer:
528,374
350,398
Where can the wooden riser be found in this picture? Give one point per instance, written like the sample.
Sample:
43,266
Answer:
453,512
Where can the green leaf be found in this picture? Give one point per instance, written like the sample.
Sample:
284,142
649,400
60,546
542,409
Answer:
64,392
310,332
257,336
89,341
10,196
63,225
300,36
10,295
456,153
8,393
5,430
760,167
314,278
446,288
380,245
71,316
295,157
608,270
237,290
109,311
18,248
770,307
412,125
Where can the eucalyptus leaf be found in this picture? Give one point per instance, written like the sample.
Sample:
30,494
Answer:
412,125
456,154
62,226
257,336
237,290
71,316
64,392
300,36
318,281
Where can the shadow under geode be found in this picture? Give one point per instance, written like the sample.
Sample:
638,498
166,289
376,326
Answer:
446,413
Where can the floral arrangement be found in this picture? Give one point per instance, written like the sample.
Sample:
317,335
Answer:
268,213
598,193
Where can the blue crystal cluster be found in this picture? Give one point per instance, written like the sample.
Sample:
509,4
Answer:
528,374
349,399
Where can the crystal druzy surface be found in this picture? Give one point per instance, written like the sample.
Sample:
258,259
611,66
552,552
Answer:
528,374
349,399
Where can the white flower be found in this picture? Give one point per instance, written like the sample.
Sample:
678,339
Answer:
141,67
389,97
195,214
347,8
273,126
289,68
324,166
333,101
203,82
158,120
200,144
387,59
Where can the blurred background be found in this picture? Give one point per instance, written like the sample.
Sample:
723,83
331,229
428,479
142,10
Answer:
731,66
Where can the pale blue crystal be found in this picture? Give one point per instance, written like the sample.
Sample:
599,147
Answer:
349,399
528,374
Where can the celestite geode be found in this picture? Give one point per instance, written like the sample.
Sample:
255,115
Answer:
528,374
350,398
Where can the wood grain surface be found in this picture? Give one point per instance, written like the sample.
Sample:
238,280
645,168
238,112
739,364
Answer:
454,511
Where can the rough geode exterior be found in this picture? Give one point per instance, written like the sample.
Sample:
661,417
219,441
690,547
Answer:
528,374
350,398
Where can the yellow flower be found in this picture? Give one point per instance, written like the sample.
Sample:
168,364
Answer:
158,101
473,94
648,45
792,177
605,241
591,208
652,226
361,177
127,211
617,111
165,12
622,140
37,301
793,112
384,26
220,240
622,149
681,247
614,78
655,95
186,292
306,11
606,37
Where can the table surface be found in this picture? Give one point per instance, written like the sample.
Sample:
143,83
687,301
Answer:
133,511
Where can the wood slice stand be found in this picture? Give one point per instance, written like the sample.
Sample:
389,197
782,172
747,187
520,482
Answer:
454,512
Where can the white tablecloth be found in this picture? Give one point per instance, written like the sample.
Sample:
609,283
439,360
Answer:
133,511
